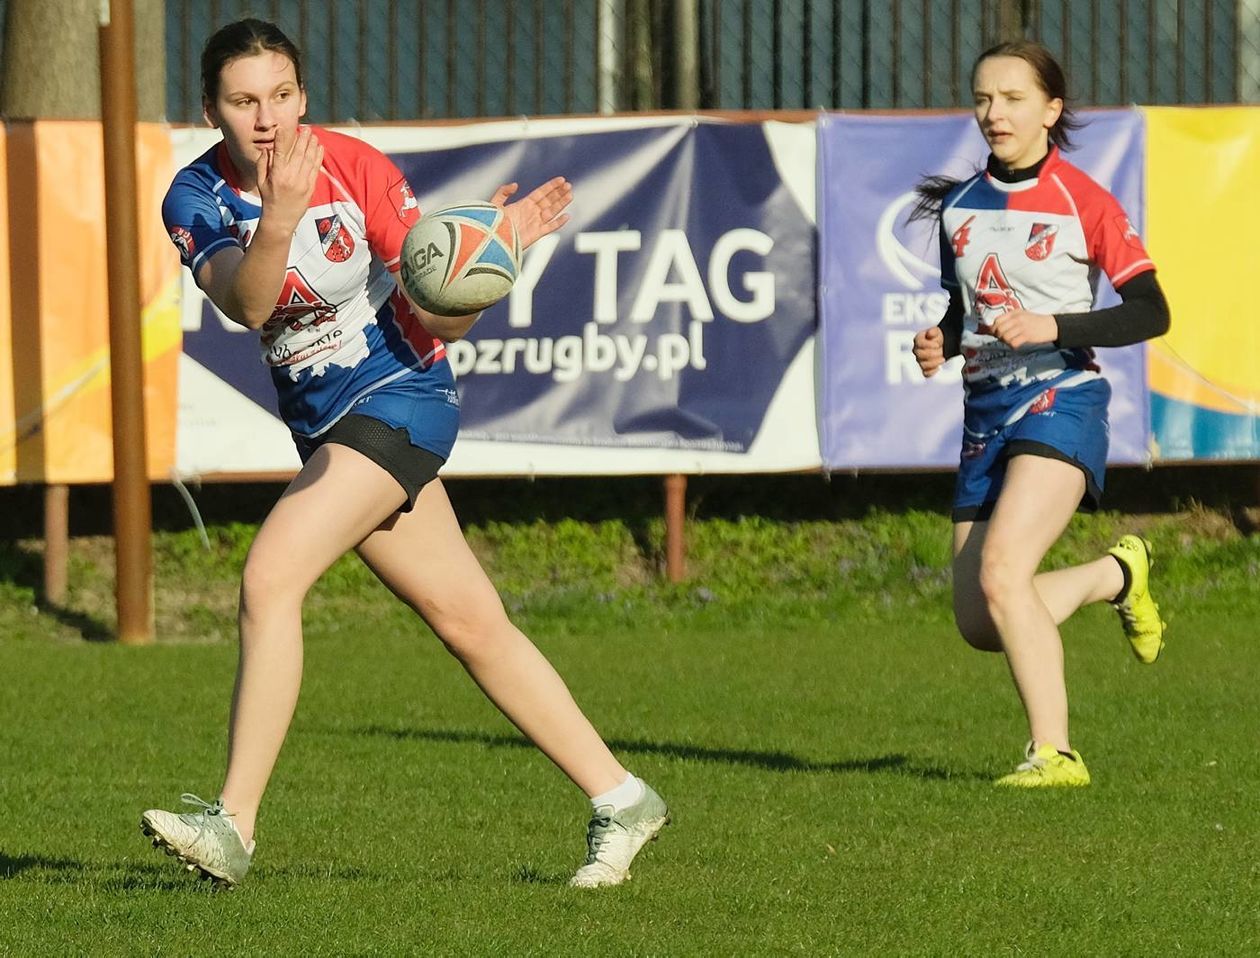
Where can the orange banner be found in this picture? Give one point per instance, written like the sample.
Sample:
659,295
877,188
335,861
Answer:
8,451
58,426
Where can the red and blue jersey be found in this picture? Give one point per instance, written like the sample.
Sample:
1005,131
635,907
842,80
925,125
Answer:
340,328
1037,244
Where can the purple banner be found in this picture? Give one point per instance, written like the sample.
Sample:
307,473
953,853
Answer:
879,283
664,314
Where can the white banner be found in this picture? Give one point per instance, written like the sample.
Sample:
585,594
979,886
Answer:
670,331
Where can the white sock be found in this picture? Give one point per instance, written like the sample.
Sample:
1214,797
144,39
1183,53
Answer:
623,796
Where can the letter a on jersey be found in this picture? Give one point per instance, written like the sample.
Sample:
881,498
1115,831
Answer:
993,292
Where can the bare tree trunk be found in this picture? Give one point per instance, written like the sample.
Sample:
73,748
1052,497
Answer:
51,62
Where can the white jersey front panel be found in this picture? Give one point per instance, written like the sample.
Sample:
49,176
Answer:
1038,245
340,327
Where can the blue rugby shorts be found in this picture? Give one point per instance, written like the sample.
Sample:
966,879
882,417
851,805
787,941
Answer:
406,427
1069,424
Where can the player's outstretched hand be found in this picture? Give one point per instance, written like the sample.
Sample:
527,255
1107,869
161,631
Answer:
929,350
1023,328
287,173
537,213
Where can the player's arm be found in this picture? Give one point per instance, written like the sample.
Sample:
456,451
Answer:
1142,314
936,344
446,328
951,325
245,284
536,214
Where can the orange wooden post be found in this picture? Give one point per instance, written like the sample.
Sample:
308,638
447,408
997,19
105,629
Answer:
675,527
133,516
56,542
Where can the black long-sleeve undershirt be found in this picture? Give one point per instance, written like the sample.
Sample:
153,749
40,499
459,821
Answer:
1142,315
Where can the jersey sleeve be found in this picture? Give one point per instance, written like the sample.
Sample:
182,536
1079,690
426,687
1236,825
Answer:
949,269
1113,242
194,223
390,209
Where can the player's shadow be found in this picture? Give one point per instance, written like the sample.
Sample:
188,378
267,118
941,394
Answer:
24,567
771,761
130,877
11,866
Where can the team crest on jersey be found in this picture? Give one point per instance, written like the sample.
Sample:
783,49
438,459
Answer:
408,199
337,243
184,240
1043,403
1127,232
242,236
1040,240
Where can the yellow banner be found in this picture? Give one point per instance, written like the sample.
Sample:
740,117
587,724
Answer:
1202,204
59,426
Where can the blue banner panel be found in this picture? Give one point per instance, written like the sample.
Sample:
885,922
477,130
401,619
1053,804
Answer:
879,283
664,314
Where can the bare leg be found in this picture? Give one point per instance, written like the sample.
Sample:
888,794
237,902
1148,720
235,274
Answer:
423,558
1063,591
1038,499
336,500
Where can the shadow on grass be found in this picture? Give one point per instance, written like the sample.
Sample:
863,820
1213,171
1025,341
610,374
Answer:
771,761
11,866
25,568
529,875
114,876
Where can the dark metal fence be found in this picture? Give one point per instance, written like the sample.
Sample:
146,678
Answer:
918,53
372,60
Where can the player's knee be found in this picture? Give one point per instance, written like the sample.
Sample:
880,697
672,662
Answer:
474,632
999,582
268,584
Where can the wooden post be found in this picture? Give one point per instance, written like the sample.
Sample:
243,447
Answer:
56,542
675,527
133,517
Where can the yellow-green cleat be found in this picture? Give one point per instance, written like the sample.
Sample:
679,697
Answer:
1138,612
1047,767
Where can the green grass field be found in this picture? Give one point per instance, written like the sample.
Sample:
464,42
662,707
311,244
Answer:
825,739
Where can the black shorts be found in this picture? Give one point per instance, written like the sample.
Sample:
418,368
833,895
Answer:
412,467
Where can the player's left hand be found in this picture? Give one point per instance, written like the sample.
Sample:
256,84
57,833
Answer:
537,213
1024,328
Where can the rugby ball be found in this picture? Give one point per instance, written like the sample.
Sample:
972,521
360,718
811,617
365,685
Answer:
461,259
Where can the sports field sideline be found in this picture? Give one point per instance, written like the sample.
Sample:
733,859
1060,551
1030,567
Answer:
826,741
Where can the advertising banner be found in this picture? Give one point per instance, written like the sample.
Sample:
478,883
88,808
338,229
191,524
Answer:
879,283
58,429
667,327
1205,374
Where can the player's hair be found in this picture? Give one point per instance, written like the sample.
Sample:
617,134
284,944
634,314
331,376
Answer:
243,38
932,190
